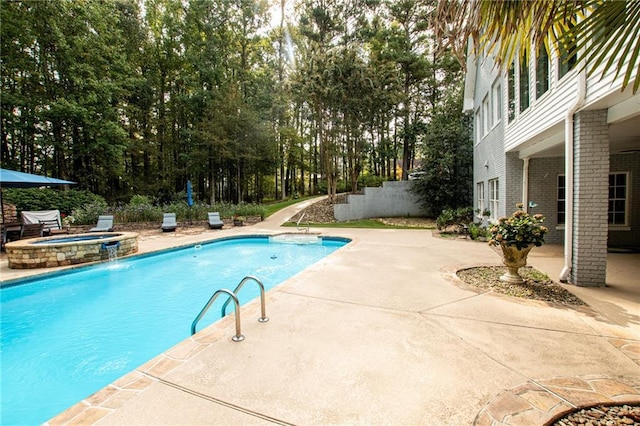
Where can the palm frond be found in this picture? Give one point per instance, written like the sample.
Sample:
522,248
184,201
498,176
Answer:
605,32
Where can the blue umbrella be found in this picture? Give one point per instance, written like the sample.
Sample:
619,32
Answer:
13,179
189,194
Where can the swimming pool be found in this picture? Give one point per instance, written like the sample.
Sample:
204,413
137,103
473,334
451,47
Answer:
66,336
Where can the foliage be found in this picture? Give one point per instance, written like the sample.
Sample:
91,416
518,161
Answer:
477,231
462,215
603,30
520,230
29,199
370,181
447,169
88,213
138,97
246,209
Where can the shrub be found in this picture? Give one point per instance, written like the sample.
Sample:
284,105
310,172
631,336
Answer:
88,213
370,181
520,230
463,215
27,199
250,210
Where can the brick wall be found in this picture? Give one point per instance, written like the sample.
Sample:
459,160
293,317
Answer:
591,180
543,190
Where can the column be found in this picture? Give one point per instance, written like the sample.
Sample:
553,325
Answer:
591,198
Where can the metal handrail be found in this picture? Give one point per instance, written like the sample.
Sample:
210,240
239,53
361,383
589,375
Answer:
300,220
238,337
263,318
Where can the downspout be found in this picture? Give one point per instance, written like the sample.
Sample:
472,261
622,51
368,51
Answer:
525,184
568,169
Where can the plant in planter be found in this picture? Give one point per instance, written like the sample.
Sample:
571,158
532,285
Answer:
517,235
238,220
67,220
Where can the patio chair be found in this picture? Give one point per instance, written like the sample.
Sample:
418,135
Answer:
214,220
105,224
169,222
32,230
52,227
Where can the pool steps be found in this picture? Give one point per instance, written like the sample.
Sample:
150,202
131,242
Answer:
233,296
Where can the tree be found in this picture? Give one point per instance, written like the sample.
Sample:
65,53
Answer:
608,30
447,167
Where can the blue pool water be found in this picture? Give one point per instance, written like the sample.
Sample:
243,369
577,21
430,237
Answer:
73,239
66,336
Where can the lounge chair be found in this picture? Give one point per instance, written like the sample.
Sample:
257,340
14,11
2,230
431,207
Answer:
169,222
105,224
214,221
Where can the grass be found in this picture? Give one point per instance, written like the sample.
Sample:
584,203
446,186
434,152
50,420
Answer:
276,206
361,223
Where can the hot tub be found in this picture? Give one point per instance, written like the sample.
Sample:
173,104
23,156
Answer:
59,250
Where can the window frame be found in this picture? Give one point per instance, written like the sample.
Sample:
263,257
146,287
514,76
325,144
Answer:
626,199
561,203
486,115
479,129
496,102
511,93
543,79
562,206
524,85
494,197
480,199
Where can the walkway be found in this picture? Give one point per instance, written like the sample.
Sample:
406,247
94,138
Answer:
382,332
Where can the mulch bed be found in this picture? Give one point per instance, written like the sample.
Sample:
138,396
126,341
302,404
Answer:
536,285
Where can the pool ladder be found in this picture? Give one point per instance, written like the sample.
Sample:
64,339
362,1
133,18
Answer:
233,296
300,228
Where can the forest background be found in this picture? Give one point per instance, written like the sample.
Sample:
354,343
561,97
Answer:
250,100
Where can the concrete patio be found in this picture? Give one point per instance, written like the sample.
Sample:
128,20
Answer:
383,332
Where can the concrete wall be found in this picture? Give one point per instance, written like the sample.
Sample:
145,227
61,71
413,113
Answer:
393,199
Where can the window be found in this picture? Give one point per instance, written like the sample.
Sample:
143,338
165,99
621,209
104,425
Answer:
562,200
565,62
542,72
486,116
478,126
511,93
493,197
618,198
524,84
496,102
480,195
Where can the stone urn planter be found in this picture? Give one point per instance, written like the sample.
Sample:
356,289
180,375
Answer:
517,235
514,259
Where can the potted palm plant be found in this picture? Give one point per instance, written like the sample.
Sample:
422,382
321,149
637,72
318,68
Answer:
517,235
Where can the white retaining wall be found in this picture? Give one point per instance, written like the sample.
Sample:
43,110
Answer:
393,199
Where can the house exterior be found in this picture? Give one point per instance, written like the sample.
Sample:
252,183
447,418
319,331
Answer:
567,145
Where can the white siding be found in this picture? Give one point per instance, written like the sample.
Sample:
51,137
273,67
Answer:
543,114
